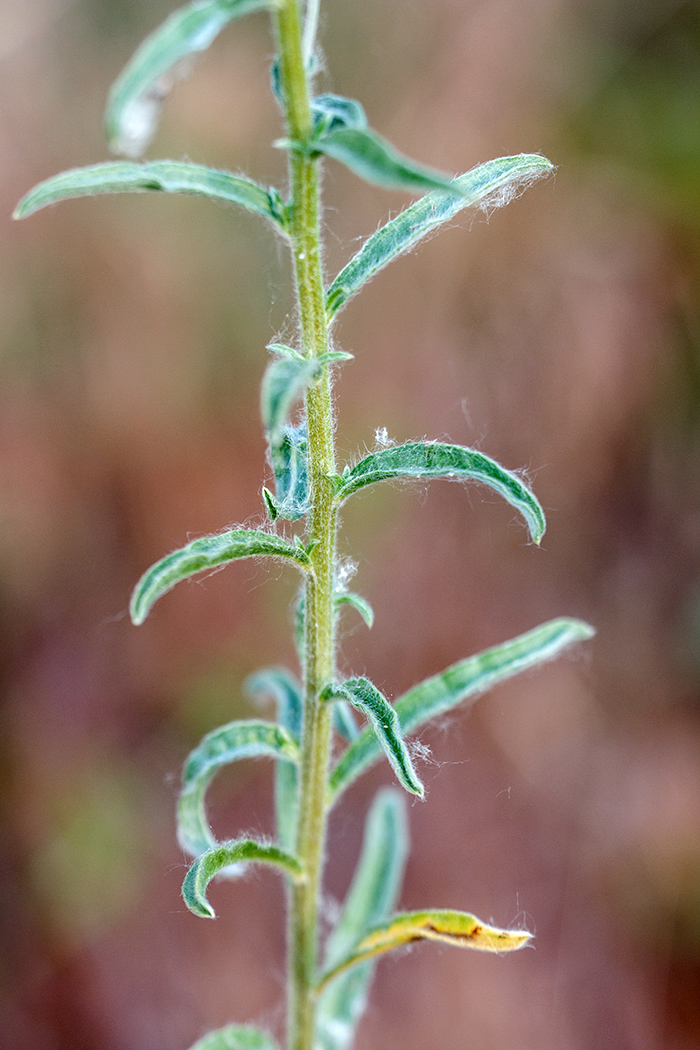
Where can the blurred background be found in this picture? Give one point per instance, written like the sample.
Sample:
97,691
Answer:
561,336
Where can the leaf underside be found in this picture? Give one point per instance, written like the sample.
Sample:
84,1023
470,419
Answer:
137,96
459,929
161,176
224,855
488,185
208,552
221,747
418,460
464,680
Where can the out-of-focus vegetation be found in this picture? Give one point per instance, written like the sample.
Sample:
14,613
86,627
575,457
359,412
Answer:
565,340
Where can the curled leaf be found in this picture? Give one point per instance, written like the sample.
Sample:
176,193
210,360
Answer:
290,465
138,93
464,680
371,897
384,722
235,1037
432,459
360,604
161,176
208,552
491,184
221,747
218,858
457,928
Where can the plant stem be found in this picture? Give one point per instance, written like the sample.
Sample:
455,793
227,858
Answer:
319,612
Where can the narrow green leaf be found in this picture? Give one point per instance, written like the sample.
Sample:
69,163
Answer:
361,605
286,692
457,928
245,851
236,1037
384,722
372,895
229,743
464,680
208,552
375,160
137,95
489,185
284,382
161,176
431,459
344,721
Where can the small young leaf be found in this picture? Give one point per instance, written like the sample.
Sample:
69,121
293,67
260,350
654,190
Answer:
491,184
286,692
464,680
290,465
236,1037
229,743
372,895
208,552
375,160
137,95
384,721
331,112
457,928
361,605
161,176
431,459
284,382
204,869
344,721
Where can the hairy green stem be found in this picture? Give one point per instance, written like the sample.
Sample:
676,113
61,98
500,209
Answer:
319,643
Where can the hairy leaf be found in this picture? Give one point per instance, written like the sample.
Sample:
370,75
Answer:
331,112
218,858
431,459
457,928
285,380
488,185
236,1037
361,605
371,897
375,160
464,680
384,723
137,95
286,692
229,743
208,552
161,176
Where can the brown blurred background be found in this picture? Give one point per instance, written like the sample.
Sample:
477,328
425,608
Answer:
562,336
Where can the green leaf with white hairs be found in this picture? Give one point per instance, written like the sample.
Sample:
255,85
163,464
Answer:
458,928
371,897
285,382
208,552
360,604
236,1037
217,859
375,160
137,96
221,747
284,689
465,680
489,185
418,460
384,722
160,176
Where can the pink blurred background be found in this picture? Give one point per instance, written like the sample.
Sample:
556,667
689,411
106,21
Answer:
561,336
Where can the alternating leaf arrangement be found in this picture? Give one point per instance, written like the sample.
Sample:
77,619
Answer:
326,998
